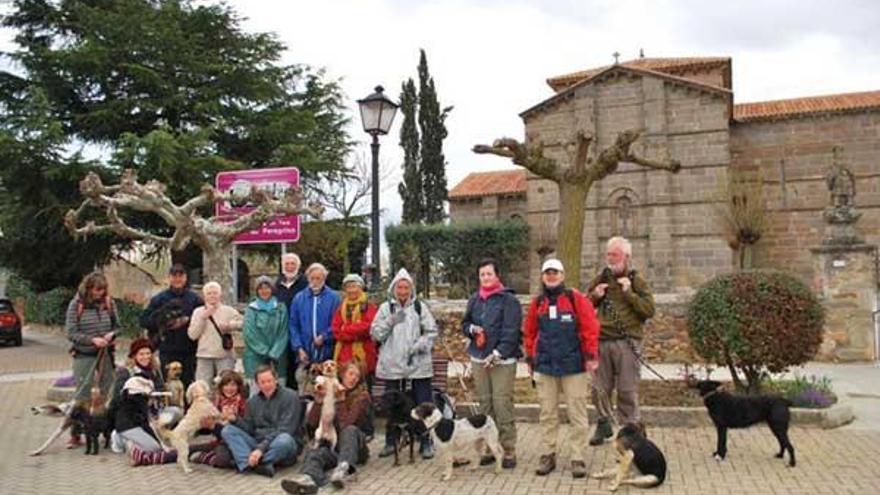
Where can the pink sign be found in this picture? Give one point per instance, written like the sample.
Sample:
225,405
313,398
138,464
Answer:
273,180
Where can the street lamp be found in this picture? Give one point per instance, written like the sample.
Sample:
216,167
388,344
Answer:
377,113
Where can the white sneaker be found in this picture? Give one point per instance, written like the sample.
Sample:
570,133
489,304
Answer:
117,445
337,477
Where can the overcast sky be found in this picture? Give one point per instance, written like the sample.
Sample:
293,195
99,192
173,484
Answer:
490,58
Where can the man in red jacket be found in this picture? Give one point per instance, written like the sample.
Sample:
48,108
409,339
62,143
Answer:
561,339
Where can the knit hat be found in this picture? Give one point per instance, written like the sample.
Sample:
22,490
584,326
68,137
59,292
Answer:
264,279
353,277
138,344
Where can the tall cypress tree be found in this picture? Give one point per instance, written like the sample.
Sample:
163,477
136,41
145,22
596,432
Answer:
433,132
411,188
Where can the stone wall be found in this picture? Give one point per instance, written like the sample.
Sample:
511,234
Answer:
669,218
793,156
487,207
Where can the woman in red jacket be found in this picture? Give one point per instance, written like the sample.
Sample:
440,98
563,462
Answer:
351,328
561,337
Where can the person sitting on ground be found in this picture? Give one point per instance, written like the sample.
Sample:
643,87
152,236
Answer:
230,399
352,418
266,435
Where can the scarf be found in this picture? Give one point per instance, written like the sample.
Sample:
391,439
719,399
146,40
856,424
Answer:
351,313
266,305
486,292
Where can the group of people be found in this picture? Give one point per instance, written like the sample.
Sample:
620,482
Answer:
573,343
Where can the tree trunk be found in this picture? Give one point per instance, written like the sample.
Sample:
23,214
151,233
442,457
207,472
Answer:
571,230
217,267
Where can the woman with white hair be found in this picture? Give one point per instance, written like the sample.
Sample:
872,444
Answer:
265,334
212,326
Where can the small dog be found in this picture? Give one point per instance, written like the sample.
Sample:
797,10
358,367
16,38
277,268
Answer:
633,447
174,385
732,411
328,382
452,436
200,407
397,406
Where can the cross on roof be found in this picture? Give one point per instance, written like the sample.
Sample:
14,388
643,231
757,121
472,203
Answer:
616,57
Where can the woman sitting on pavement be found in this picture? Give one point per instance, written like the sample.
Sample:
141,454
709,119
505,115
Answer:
352,421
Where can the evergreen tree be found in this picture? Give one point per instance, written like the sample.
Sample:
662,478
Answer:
172,88
433,132
411,188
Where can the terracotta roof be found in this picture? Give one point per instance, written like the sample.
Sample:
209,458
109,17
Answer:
674,66
782,109
478,184
633,70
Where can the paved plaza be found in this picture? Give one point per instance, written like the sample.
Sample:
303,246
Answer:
845,460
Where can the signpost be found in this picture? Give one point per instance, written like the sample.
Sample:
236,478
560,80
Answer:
281,229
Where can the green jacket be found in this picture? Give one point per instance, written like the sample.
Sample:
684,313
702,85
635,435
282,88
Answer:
622,314
265,337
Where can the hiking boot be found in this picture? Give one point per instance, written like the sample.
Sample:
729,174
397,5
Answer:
508,461
301,484
387,450
266,470
578,469
546,465
603,432
337,477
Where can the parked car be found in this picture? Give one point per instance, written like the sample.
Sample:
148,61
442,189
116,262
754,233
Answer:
10,323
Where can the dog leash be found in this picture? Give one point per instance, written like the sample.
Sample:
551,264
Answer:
641,360
603,406
467,369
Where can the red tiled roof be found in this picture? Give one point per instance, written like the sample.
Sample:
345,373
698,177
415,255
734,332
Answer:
780,109
674,66
490,183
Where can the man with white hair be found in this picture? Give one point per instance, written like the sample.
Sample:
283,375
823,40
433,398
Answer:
624,302
311,315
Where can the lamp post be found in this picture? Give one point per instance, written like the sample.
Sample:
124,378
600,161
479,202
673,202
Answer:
377,114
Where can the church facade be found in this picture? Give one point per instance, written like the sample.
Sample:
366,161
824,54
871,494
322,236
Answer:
686,111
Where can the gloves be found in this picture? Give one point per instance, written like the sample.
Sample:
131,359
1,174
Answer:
398,317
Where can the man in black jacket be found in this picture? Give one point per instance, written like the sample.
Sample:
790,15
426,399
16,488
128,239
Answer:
288,285
167,319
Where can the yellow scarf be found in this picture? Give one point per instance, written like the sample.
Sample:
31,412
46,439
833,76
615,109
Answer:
351,313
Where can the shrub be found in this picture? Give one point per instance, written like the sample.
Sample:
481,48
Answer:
813,393
755,322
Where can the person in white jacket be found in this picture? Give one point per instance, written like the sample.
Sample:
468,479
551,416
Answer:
207,326
405,331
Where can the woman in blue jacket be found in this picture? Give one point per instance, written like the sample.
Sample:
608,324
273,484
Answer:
493,322
311,316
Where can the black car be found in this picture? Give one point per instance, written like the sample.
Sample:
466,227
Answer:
10,323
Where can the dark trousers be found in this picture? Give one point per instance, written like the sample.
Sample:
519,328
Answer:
188,361
419,390
351,447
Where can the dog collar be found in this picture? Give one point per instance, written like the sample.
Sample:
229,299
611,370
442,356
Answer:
710,394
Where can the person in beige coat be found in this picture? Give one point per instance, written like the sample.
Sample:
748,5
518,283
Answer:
207,325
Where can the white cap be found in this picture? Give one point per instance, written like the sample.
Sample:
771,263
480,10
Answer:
552,264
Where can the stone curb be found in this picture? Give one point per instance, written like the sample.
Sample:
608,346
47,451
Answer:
690,417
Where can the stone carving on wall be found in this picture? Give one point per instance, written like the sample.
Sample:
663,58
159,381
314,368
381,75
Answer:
841,214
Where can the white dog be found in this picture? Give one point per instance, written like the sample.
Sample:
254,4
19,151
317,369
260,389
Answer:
329,385
200,407
452,437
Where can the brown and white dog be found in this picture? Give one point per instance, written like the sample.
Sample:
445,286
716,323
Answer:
328,383
634,448
173,384
452,437
200,407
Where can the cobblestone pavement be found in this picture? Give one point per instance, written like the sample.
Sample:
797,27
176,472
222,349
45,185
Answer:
829,461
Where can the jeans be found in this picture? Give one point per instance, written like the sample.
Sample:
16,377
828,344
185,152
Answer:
420,391
282,450
351,448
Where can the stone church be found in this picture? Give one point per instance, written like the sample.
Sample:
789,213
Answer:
686,110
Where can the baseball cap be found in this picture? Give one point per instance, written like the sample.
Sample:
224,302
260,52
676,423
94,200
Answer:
552,264
177,268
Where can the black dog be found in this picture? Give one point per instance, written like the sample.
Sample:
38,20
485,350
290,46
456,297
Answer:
401,427
731,411
633,447
92,425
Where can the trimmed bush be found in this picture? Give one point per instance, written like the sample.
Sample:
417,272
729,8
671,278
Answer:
755,322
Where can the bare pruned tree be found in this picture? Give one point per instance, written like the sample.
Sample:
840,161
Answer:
346,194
213,235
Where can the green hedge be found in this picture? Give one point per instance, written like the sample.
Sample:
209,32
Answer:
455,249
